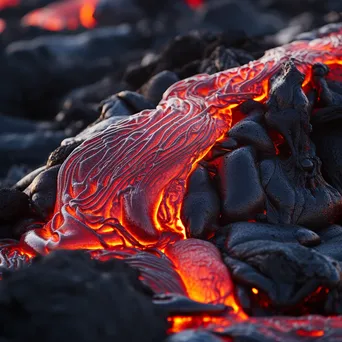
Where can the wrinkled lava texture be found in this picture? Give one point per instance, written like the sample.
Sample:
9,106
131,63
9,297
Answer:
119,194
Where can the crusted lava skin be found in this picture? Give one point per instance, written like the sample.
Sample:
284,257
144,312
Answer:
126,184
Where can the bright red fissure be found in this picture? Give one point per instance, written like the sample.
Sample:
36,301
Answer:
123,189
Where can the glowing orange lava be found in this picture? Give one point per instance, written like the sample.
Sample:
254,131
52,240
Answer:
204,284
126,185
63,15
310,333
123,188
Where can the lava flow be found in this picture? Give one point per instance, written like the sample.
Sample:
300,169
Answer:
63,15
123,188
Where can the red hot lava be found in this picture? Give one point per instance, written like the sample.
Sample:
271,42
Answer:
126,185
63,15
67,14
121,191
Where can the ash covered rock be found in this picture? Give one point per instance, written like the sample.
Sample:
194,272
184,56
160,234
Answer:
67,296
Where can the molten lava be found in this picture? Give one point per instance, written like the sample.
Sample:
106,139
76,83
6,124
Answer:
195,3
63,15
126,185
123,188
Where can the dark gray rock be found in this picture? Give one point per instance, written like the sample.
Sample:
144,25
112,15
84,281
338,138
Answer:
13,205
201,205
154,89
42,192
242,196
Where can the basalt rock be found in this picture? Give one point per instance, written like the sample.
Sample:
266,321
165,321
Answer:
75,116
23,183
42,192
123,104
248,132
82,297
30,149
272,259
242,196
13,204
298,197
295,189
201,205
58,156
43,70
222,58
154,89
230,15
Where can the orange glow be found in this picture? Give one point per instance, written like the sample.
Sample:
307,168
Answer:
63,15
180,323
151,155
123,188
310,333
8,3
2,25
255,291
86,15
204,283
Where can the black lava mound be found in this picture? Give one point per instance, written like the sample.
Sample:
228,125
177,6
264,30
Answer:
66,296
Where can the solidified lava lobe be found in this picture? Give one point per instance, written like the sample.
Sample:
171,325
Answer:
126,185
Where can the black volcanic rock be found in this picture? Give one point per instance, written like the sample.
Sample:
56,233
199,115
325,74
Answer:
241,15
42,192
13,204
66,296
39,72
272,258
154,89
